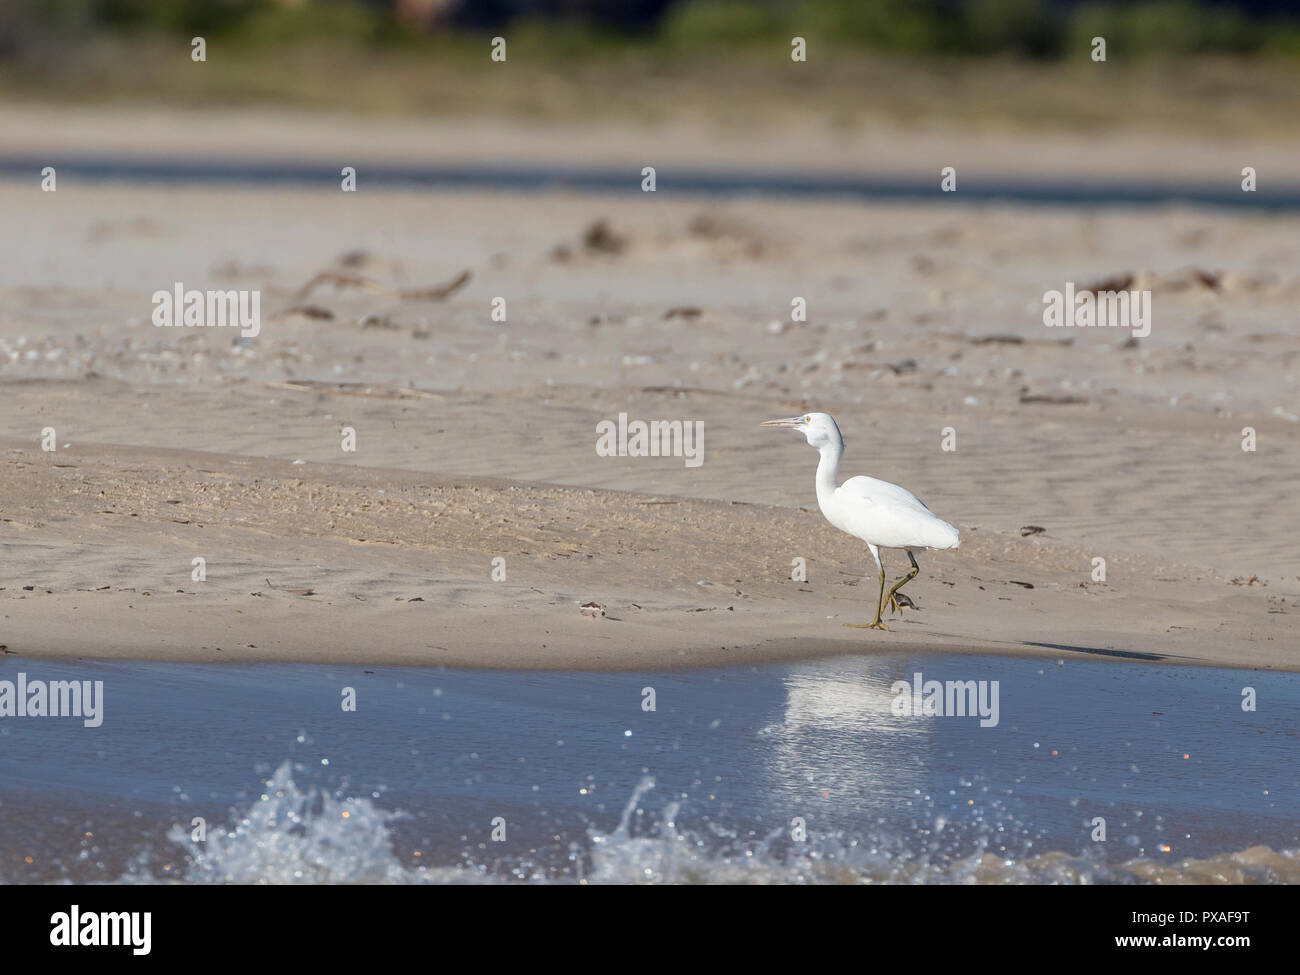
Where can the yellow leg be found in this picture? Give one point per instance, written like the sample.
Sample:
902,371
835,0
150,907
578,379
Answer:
893,602
875,624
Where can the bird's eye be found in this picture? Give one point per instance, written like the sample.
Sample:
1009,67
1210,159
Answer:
807,419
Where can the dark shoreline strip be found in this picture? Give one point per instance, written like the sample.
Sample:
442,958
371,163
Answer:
687,181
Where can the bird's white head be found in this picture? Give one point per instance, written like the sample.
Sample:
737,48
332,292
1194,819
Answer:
819,428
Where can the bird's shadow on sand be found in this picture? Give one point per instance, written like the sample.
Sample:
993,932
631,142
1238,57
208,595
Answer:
1099,651
993,647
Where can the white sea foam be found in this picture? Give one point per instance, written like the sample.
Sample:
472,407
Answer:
289,835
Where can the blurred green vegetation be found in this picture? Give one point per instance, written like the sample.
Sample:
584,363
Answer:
1171,64
1036,29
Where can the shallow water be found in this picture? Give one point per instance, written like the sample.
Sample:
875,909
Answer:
714,784
549,178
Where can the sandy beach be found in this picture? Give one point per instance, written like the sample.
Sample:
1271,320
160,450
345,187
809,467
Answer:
386,496
475,438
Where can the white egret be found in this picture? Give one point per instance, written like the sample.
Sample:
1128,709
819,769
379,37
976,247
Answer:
883,515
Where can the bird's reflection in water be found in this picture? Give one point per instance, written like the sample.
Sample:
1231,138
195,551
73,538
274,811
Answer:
839,740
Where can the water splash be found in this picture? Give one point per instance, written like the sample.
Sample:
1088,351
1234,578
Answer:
289,835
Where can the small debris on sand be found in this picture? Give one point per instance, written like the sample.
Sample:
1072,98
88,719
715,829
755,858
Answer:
599,238
684,311
437,292
315,312
1117,282
369,285
375,390
1053,400
737,237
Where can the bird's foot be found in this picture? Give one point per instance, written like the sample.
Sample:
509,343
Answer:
898,601
877,625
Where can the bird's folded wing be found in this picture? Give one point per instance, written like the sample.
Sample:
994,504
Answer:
875,491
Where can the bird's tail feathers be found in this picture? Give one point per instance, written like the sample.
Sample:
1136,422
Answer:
948,537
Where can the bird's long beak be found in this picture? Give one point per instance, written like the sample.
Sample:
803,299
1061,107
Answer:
794,421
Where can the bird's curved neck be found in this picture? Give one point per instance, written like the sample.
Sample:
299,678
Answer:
828,468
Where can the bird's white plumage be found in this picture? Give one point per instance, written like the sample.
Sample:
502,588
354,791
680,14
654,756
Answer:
883,515
887,516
